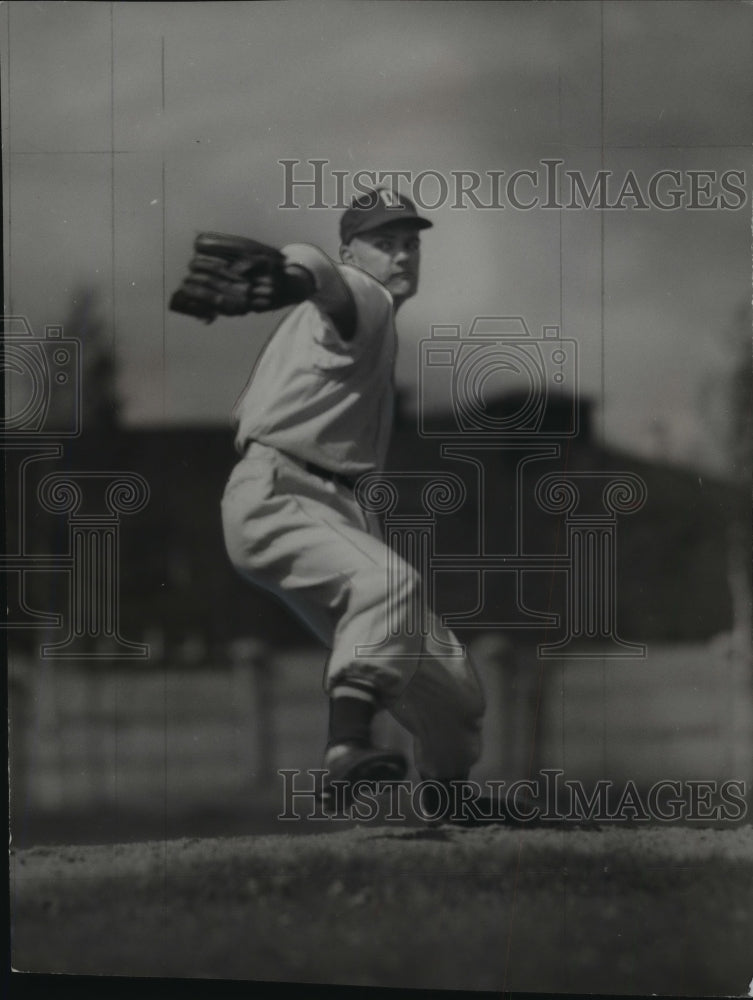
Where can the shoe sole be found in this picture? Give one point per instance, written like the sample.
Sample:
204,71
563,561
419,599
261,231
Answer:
387,767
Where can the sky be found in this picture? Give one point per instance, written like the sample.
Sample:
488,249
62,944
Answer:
130,127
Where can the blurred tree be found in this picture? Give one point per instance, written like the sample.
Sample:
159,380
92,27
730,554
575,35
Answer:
726,395
100,402
730,393
741,399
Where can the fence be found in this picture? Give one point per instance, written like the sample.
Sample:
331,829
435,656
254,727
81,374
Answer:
177,738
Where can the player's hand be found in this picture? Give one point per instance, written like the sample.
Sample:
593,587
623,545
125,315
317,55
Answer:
232,276
263,292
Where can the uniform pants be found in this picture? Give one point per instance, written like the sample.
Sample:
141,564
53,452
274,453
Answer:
306,539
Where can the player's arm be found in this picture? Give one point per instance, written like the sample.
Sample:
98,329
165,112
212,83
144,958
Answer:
232,276
327,289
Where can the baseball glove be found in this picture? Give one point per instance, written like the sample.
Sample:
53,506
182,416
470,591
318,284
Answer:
232,276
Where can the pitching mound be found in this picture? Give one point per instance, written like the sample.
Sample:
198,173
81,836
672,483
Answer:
614,911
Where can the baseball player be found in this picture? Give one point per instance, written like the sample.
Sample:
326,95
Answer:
315,415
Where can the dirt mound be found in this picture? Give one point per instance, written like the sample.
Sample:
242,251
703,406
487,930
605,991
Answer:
617,911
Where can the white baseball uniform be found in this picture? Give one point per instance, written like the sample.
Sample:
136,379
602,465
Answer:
317,412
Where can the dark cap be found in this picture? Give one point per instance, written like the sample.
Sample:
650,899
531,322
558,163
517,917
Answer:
377,208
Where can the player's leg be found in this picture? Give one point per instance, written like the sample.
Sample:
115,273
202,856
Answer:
442,706
305,539
428,682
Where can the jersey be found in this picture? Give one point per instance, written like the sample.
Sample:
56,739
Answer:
322,399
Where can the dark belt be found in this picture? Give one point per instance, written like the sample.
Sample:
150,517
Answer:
330,476
318,470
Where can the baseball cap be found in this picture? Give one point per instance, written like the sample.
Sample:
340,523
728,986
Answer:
378,208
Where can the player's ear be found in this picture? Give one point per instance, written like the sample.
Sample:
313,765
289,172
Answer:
346,254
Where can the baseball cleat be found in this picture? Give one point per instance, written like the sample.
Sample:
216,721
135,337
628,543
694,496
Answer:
347,766
454,802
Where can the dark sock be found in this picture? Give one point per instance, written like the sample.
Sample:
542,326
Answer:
350,721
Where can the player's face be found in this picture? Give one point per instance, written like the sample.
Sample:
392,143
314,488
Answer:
390,254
